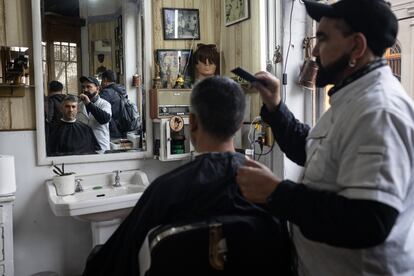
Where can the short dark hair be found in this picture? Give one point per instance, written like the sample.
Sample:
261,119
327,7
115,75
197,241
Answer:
219,104
109,75
55,86
70,98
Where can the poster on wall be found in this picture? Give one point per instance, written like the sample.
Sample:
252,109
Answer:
236,11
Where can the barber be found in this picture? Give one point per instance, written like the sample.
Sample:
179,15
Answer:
95,111
353,208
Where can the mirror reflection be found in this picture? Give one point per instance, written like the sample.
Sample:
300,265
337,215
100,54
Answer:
89,109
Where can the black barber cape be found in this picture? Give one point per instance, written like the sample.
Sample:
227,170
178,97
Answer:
67,138
203,187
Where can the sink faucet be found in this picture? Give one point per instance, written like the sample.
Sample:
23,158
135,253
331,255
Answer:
78,187
117,178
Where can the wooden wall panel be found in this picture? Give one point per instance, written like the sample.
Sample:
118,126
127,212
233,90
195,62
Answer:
16,30
5,120
102,31
2,24
18,112
18,22
240,43
24,120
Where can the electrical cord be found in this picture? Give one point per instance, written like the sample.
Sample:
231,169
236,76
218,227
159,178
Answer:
266,153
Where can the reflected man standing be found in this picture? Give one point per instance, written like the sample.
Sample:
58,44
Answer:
95,111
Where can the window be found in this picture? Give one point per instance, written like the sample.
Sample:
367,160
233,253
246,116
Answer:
393,56
65,65
61,50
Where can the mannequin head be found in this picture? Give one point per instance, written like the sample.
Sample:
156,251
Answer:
206,61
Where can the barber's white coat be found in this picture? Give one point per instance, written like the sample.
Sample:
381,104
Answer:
101,131
363,148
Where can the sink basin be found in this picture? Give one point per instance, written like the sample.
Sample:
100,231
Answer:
100,200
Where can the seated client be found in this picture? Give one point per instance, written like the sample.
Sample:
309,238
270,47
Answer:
203,187
69,136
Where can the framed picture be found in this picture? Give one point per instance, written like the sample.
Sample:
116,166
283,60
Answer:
102,56
173,62
236,11
181,24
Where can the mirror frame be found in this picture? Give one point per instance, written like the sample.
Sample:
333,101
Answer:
147,64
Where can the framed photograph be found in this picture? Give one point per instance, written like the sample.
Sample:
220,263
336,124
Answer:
173,62
181,24
236,11
102,56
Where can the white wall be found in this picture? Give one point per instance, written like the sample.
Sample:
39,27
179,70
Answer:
43,241
295,95
404,10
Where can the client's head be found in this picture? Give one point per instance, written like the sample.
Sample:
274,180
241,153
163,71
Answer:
69,108
217,111
55,87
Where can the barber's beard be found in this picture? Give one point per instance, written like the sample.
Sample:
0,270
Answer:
90,95
329,74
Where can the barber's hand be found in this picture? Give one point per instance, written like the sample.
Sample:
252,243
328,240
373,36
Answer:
256,181
85,99
270,92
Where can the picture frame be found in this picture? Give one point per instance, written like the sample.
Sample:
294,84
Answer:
236,11
174,62
102,56
181,24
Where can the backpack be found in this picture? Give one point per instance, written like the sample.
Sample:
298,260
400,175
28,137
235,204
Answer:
128,119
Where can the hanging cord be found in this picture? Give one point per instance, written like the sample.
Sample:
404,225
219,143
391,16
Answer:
266,153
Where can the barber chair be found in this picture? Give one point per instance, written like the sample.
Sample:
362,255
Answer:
222,245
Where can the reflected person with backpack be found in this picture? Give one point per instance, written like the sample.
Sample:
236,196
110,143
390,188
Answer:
125,116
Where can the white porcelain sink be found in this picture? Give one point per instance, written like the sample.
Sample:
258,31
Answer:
100,200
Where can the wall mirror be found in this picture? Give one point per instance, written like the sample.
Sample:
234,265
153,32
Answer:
75,38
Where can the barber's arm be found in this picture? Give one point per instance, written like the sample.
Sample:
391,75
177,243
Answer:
320,215
100,115
289,133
